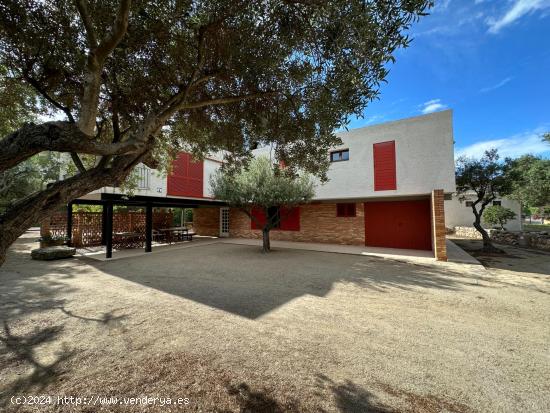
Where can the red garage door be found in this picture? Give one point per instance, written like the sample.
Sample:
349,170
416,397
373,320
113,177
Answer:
398,224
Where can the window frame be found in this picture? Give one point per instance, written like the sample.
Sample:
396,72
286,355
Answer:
498,203
346,210
340,152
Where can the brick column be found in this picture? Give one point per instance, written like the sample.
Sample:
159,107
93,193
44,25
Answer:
438,225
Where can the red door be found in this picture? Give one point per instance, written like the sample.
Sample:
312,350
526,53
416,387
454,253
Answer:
398,224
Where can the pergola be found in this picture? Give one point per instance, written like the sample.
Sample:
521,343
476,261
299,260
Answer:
107,201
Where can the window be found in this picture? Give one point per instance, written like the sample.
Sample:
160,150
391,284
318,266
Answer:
142,173
345,210
469,203
338,156
497,203
274,214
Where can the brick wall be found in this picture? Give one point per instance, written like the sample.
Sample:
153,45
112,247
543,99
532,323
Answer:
438,225
318,223
206,221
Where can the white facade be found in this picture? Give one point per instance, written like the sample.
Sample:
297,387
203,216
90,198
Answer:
459,214
424,161
424,150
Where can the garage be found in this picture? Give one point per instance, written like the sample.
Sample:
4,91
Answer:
398,224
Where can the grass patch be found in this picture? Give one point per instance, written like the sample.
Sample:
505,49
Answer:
536,227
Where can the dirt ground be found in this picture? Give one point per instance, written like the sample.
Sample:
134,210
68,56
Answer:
232,329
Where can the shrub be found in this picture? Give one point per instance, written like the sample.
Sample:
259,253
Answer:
497,215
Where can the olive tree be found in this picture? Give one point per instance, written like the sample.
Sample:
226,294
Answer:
132,82
498,215
263,186
485,179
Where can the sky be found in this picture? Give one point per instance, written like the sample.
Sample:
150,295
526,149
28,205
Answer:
488,61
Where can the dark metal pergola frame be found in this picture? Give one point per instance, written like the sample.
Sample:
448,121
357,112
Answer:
107,202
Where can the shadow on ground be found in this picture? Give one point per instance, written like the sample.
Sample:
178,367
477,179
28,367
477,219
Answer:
520,260
242,280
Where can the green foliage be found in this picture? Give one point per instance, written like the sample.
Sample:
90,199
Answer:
262,185
546,137
313,64
530,178
485,177
498,215
29,176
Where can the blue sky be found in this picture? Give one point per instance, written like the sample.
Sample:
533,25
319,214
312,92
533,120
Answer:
489,61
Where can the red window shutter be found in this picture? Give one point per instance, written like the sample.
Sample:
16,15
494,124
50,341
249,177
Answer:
384,166
259,216
186,178
290,219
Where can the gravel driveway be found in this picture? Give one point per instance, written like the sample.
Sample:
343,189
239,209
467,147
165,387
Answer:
288,331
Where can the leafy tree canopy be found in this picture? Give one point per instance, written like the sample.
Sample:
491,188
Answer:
498,215
530,177
137,80
263,185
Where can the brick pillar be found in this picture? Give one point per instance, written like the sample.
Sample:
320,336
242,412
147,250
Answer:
438,225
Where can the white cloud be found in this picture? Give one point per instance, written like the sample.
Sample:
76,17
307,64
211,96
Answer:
524,143
519,9
497,86
432,106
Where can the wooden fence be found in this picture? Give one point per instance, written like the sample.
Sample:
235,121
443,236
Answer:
87,226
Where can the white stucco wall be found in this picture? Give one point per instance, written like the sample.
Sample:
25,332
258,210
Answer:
457,214
210,167
424,150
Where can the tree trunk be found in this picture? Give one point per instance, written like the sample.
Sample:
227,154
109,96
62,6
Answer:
265,237
487,243
34,208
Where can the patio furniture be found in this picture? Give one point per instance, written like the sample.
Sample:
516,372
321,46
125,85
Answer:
174,234
127,240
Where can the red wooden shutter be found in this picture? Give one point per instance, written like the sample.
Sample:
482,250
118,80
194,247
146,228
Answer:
186,178
384,166
290,219
259,214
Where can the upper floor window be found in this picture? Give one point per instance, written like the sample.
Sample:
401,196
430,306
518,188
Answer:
142,177
497,203
345,210
338,156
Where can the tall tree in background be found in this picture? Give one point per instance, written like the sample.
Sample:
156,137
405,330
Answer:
486,179
266,188
135,81
530,177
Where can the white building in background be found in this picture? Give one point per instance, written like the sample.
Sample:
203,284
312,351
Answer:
459,214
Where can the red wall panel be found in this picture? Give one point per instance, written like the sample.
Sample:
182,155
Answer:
384,166
186,178
398,224
290,220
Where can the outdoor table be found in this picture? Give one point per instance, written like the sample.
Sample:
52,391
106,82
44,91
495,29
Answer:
178,233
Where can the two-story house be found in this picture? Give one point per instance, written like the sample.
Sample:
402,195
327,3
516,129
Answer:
386,188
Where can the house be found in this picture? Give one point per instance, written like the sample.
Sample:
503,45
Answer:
459,213
386,188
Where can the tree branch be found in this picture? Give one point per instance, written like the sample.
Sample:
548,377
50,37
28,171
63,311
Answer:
60,137
225,100
36,85
95,62
82,8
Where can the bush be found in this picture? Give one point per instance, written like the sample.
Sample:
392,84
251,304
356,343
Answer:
497,215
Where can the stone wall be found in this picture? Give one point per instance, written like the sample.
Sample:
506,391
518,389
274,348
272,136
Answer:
318,223
537,240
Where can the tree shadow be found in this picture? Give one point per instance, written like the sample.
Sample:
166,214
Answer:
351,398
240,280
22,349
